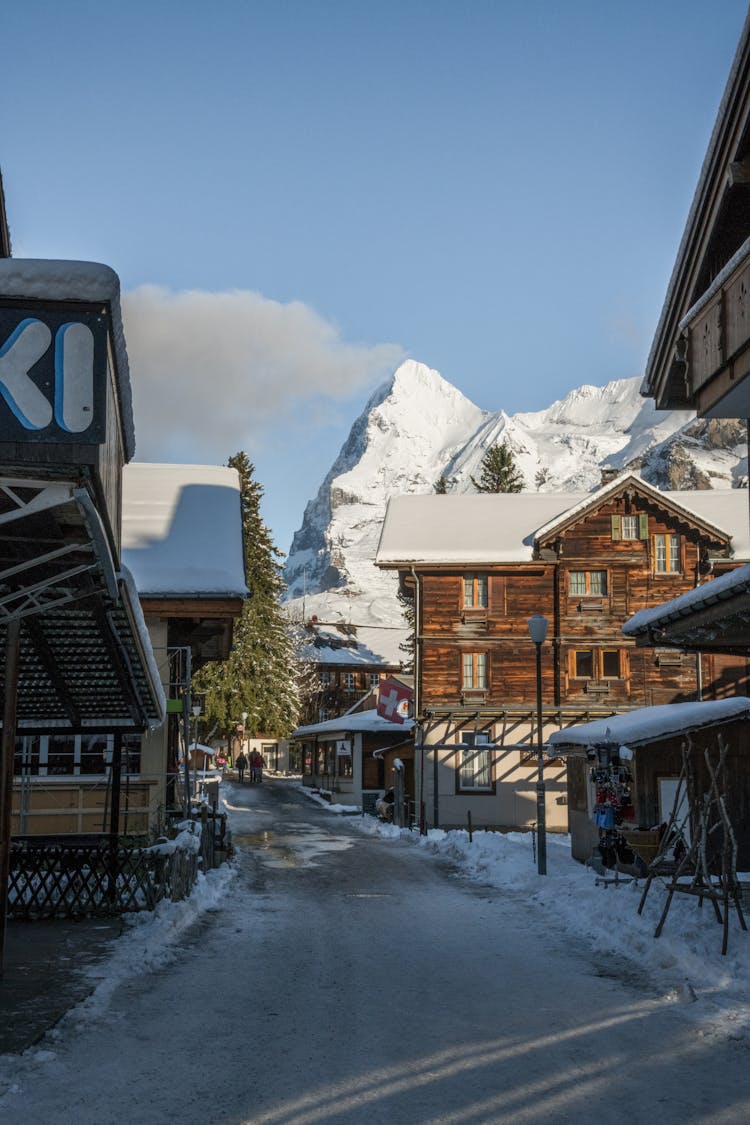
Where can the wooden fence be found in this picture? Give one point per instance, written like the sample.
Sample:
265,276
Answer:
84,877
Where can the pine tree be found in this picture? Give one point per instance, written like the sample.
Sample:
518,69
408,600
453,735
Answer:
499,472
260,676
441,485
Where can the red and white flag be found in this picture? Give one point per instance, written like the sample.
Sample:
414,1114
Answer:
394,700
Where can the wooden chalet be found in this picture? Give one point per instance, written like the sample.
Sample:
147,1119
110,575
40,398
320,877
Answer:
181,532
478,566
351,758
700,357
347,661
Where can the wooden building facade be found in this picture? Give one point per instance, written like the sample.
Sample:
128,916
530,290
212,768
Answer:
480,566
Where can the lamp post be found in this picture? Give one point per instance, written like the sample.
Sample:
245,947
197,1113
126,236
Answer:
244,724
196,713
538,625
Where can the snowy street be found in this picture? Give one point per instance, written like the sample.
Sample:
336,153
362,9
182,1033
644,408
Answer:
347,977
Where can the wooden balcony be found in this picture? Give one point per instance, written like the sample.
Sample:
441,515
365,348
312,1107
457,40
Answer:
714,343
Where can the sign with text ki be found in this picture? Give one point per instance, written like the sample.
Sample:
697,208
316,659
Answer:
53,375
394,700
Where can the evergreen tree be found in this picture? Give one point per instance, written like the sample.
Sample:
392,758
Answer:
441,485
499,472
260,676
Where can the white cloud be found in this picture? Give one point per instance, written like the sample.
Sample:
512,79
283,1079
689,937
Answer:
215,372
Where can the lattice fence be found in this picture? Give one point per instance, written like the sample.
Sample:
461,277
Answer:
63,879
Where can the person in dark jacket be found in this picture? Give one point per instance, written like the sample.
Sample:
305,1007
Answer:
241,764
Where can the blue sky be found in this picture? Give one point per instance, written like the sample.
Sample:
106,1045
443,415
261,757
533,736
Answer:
297,194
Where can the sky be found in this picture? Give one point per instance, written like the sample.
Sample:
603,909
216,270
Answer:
298,195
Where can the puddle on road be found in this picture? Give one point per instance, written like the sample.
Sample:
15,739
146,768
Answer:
291,850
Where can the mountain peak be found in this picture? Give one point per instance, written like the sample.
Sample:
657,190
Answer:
418,427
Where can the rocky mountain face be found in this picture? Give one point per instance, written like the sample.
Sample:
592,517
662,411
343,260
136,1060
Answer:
418,427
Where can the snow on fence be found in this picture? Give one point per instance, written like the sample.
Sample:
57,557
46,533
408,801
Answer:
58,878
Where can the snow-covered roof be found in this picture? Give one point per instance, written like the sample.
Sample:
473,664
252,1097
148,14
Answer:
361,722
41,279
467,528
367,647
182,530
709,593
647,724
613,487
486,528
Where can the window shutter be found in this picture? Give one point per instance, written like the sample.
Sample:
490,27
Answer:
642,526
616,528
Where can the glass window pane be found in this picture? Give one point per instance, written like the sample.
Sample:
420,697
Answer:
630,527
584,664
674,548
481,669
578,582
482,590
611,663
598,582
468,670
468,590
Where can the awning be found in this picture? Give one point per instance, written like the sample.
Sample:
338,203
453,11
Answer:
85,658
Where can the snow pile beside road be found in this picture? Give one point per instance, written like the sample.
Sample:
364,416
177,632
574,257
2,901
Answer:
684,963
151,940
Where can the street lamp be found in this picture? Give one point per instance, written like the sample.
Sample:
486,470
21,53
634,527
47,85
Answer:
244,724
538,625
196,713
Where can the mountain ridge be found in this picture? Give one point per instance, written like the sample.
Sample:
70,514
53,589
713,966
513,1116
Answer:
417,427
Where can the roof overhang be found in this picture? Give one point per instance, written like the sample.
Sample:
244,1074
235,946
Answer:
714,617
717,225
85,660
646,726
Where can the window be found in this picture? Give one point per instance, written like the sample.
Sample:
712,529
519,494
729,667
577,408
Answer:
373,679
475,768
350,681
597,664
475,671
667,554
475,591
585,583
630,527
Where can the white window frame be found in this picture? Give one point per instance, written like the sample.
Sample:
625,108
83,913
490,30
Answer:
475,762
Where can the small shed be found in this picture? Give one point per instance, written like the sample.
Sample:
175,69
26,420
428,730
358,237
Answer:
641,753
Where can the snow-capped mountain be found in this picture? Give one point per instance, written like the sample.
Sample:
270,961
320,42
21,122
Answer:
418,427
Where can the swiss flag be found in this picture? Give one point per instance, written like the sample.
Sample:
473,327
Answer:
394,699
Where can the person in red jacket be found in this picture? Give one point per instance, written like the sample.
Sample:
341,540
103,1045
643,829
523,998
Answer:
257,763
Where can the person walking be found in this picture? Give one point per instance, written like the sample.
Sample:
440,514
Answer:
241,764
256,766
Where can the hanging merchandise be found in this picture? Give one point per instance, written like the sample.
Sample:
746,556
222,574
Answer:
613,805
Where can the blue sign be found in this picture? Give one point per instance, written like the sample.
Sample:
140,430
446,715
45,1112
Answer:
53,375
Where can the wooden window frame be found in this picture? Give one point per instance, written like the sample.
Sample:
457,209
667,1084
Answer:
587,581
671,540
597,663
475,664
478,585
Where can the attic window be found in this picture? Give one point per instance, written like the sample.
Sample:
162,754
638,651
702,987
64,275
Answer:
629,527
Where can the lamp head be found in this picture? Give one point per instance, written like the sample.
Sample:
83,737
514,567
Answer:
538,625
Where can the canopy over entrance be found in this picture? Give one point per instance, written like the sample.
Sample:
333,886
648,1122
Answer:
85,659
